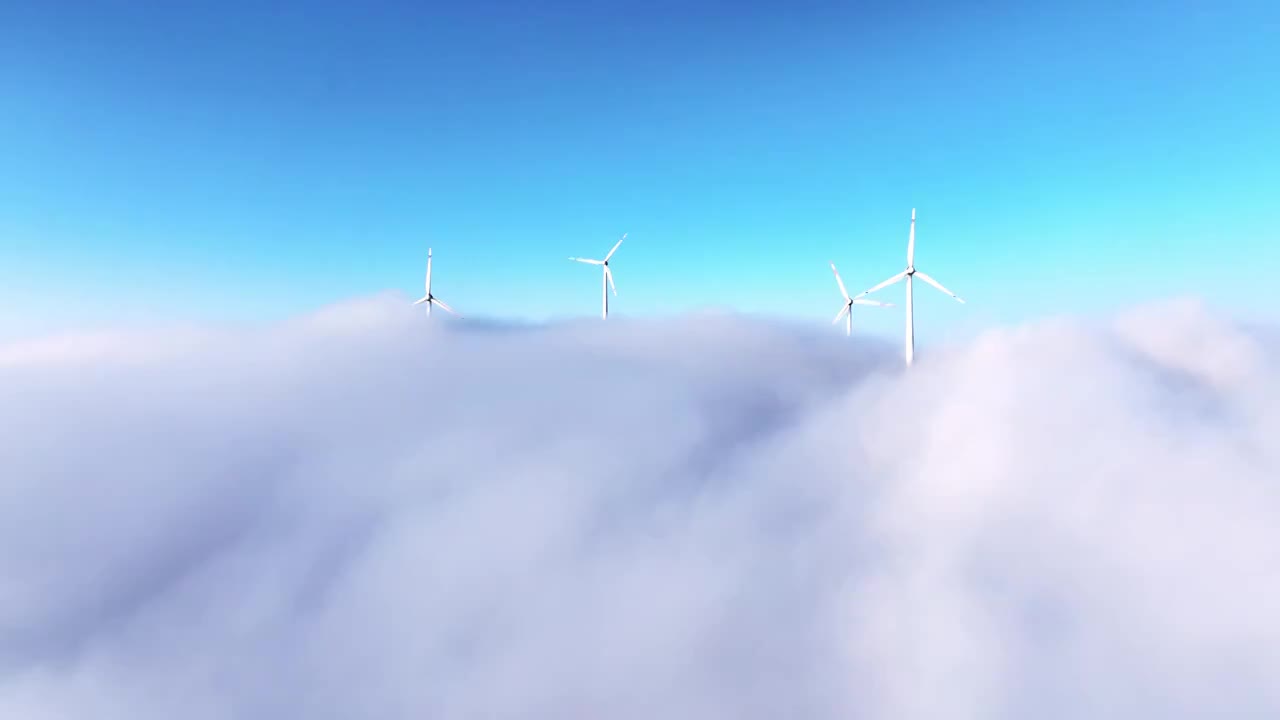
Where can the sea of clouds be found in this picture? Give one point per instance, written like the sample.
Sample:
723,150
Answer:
364,514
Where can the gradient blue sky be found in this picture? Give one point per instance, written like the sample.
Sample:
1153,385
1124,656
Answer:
238,161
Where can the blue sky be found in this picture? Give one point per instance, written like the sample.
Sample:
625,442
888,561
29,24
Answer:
232,162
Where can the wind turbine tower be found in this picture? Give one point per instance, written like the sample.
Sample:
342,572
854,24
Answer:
607,281
908,274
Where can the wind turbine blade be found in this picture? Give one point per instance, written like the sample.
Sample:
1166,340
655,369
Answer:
884,284
428,283
839,282
861,301
615,247
911,241
419,302
589,262
938,285
609,274
444,307
843,309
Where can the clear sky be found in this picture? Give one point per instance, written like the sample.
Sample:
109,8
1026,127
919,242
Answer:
238,160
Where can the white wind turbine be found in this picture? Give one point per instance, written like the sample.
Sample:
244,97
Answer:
430,299
607,281
847,310
908,274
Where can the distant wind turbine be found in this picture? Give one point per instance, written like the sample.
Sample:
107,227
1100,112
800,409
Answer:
430,299
847,310
607,281
908,274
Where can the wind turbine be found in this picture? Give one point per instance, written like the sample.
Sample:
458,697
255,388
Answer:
909,273
430,299
607,281
847,310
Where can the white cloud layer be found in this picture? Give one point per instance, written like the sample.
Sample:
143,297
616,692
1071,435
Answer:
359,514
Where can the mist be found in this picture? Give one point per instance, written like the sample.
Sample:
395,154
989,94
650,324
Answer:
364,513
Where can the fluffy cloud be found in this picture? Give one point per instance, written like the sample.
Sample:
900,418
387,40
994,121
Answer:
363,514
